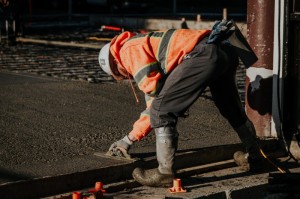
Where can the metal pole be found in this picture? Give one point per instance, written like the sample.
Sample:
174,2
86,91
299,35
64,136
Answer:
225,13
70,10
14,26
30,11
6,28
279,68
260,18
174,7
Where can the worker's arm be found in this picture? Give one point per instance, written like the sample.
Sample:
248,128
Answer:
141,128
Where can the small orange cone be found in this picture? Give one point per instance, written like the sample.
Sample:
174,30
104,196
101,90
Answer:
76,195
98,188
177,187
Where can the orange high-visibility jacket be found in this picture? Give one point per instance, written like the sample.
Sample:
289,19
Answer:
148,58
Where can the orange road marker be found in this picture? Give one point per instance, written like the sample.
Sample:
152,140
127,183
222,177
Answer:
76,195
177,187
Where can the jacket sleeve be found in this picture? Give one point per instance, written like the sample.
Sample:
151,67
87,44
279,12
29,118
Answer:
142,126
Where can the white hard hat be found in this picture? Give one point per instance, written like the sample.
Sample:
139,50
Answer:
103,59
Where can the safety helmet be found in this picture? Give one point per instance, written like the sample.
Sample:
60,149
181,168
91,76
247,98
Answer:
103,59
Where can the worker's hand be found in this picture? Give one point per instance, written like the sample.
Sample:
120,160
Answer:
220,32
120,148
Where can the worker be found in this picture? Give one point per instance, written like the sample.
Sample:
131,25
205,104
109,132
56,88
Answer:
183,23
173,68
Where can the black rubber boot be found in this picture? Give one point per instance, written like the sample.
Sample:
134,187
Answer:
252,160
247,134
252,164
152,177
166,146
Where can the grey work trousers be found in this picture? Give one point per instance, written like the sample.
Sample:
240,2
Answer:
206,65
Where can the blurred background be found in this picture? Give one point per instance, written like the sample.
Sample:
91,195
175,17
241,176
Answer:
129,14
168,8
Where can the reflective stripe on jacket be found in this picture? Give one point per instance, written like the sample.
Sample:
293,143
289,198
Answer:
149,58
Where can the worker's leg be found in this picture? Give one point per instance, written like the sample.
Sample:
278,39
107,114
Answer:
227,99
225,94
166,146
182,87
185,84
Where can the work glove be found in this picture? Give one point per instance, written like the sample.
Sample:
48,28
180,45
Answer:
120,148
220,32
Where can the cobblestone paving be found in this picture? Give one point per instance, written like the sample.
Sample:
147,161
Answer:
61,62
69,63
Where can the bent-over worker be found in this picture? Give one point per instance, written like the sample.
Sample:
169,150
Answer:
173,68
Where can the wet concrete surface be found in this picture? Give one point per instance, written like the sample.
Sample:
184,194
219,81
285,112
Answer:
45,121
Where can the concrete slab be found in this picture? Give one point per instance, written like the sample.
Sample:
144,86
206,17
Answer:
227,183
84,171
64,176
